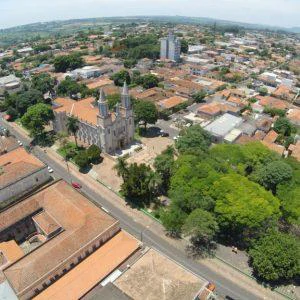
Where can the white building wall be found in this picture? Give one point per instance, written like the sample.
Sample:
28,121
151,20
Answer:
23,185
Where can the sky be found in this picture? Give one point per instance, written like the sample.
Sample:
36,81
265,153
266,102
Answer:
284,13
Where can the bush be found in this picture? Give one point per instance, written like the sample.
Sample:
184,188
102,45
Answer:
82,160
93,153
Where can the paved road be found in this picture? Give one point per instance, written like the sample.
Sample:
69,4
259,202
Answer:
224,286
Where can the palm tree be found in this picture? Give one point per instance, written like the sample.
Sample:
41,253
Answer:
154,182
73,127
121,167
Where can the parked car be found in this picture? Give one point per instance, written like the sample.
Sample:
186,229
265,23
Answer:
163,133
76,185
50,170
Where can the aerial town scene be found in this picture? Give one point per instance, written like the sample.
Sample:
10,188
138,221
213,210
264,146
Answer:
149,150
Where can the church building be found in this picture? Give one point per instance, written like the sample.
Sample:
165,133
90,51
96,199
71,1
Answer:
110,131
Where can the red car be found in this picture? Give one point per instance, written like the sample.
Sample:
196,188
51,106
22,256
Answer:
76,185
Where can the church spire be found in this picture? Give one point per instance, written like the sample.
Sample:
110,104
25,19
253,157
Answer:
125,89
102,105
125,98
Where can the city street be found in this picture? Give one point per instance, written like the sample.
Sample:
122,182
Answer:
142,232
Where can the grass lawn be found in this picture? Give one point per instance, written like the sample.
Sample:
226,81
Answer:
70,148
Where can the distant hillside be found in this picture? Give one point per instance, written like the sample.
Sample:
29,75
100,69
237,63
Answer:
29,32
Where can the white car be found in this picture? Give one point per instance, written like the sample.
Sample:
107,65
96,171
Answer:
50,170
20,143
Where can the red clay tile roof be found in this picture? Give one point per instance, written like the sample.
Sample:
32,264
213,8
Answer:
81,220
17,164
172,102
210,109
271,137
294,115
46,222
82,109
92,270
295,150
272,102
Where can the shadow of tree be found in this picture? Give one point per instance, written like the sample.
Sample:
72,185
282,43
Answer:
201,248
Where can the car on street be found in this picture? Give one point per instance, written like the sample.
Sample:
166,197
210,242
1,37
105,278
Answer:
76,185
50,170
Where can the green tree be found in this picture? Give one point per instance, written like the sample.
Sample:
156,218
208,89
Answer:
112,100
263,91
73,127
190,184
129,63
64,62
93,153
122,167
81,159
23,100
145,112
36,117
136,77
173,219
184,46
70,87
149,81
243,207
283,126
120,77
164,164
273,174
276,256
193,139
199,96
289,194
43,82
201,226
140,185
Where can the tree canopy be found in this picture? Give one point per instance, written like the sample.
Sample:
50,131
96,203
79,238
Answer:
146,112
68,62
120,77
192,139
276,256
43,82
36,117
243,205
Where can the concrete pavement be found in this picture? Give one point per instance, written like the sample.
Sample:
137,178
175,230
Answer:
106,198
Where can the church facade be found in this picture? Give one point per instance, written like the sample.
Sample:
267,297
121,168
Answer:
111,131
